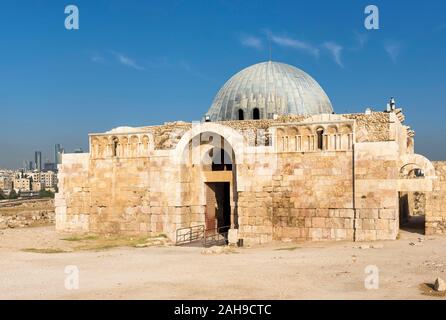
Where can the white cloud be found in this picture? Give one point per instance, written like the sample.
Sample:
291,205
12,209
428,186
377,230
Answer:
184,65
361,39
128,62
335,50
251,42
393,50
174,65
288,42
98,59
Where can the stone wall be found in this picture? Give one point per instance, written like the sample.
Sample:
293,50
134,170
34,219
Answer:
26,213
436,202
372,127
326,177
308,197
376,190
321,195
72,202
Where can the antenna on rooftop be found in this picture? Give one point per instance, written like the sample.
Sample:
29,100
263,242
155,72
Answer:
270,48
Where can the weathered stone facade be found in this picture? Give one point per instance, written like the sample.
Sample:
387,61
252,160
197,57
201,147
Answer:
436,202
325,177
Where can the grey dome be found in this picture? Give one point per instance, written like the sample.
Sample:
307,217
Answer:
272,88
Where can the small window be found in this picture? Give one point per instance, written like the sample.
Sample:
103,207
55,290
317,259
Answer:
256,114
320,139
241,114
114,147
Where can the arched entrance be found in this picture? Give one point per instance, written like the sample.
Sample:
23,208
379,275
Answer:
415,183
219,179
209,154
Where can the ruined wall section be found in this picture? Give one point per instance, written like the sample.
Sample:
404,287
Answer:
436,202
372,127
118,189
72,202
302,189
376,195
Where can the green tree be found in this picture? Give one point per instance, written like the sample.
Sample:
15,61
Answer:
46,194
2,195
13,194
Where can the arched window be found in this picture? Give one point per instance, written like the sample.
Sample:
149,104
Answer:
320,139
221,161
241,114
256,114
114,147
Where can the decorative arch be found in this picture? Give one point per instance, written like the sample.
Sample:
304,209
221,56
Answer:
320,134
147,144
95,147
345,129
417,161
115,146
332,129
256,114
134,146
240,114
104,147
237,142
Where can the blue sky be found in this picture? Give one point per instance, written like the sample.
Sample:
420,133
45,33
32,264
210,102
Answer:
146,62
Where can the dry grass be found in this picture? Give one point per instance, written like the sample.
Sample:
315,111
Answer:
44,250
92,242
98,243
287,249
81,238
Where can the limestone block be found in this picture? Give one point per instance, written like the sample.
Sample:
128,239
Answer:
368,213
233,236
316,234
388,214
318,222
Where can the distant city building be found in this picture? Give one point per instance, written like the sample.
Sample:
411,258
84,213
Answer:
35,176
58,151
38,160
36,186
28,181
22,184
5,183
48,180
31,165
49,166
78,150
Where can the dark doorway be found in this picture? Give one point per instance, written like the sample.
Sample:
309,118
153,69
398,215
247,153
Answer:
218,206
412,211
404,208
241,114
256,114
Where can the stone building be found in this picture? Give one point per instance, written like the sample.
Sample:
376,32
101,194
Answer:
269,161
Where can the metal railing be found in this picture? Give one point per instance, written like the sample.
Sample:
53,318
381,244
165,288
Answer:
216,237
188,235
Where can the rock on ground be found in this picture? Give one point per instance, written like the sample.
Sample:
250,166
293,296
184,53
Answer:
440,285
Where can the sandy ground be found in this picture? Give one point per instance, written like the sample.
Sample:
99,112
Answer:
303,271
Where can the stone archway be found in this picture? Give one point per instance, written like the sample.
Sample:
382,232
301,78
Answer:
416,177
210,188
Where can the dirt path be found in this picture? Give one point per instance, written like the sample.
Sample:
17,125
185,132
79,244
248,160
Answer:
303,271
